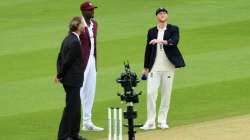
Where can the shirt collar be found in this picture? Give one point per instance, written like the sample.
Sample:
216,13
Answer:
162,29
91,23
76,35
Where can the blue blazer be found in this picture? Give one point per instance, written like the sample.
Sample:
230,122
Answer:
171,50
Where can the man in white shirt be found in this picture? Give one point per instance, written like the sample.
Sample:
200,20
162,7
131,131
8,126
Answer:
161,59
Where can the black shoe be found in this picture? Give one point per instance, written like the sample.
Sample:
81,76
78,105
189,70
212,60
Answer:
80,138
69,138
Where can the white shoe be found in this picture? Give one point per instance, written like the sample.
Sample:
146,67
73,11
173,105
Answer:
92,127
163,126
148,126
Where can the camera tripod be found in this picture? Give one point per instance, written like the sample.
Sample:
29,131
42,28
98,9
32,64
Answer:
128,81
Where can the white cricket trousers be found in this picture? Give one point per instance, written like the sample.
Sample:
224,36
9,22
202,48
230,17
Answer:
88,90
155,79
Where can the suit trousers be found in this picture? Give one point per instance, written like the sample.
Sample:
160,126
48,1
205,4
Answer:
70,122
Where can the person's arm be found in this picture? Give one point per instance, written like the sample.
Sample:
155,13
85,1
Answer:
147,55
58,64
71,55
147,52
174,39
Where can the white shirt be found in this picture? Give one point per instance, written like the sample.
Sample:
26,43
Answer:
91,36
162,63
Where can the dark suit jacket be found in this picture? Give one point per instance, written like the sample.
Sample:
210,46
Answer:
69,62
171,50
86,46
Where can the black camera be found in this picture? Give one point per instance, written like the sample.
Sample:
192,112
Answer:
128,81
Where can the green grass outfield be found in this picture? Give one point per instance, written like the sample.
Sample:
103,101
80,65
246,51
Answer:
215,41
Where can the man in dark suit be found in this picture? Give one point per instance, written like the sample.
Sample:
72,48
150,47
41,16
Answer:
88,39
162,57
69,73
